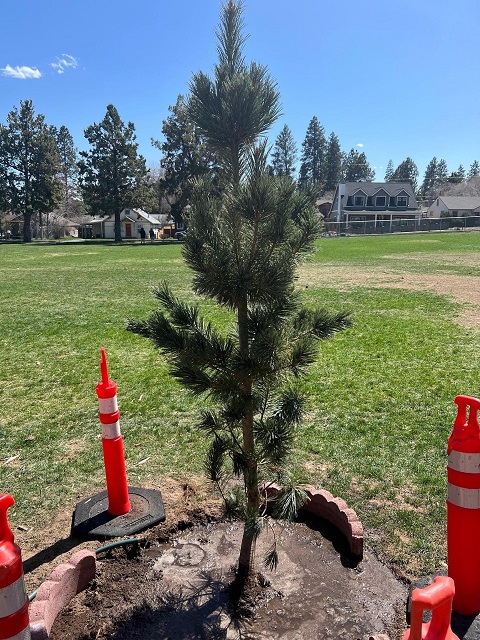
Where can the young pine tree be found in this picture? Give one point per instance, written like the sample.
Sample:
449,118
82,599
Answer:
243,247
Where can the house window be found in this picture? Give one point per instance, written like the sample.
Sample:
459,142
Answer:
369,201
380,201
454,214
402,201
359,201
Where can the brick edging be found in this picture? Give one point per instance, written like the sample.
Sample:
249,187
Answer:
334,510
54,594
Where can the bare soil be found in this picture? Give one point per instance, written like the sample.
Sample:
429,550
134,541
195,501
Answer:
174,584
180,590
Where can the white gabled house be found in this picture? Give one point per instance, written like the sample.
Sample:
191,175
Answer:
131,221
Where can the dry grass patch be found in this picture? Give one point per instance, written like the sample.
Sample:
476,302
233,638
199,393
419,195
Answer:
463,289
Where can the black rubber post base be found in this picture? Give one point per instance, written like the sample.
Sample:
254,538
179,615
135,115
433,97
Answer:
465,627
92,520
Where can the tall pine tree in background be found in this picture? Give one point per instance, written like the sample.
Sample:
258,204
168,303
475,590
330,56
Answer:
474,169
68,167
389,171
406,171
430,181
355,167
111,172
442,173
312,168
29,166
458,176
243,246
333,163
284,154
185,157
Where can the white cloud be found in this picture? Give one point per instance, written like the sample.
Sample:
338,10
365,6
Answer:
22,73
360,144
65,62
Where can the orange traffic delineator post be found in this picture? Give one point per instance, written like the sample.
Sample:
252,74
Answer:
463,507
112,443
120,510
14,623
436,598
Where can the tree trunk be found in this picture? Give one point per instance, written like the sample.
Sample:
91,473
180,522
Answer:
246,560
27,226
117,228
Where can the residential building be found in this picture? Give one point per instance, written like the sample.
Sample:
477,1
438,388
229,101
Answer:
131,221
374,201
454,207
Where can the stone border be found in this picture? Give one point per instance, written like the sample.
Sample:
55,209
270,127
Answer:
64,583
334,510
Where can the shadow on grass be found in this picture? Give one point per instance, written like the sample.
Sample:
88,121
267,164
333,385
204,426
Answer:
56,549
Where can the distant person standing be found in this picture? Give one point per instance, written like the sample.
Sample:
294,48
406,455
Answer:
142,235
151,233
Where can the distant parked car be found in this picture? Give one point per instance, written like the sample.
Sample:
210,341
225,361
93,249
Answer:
179,235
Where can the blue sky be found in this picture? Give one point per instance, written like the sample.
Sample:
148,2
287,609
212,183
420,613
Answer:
392,79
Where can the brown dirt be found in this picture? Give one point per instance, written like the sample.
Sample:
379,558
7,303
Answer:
186,503
175,584
180,590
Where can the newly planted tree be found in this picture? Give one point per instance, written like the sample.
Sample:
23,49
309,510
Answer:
243,245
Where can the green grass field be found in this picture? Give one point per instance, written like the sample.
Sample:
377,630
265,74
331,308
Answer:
380,394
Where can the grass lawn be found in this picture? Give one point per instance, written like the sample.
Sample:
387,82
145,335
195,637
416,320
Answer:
380,395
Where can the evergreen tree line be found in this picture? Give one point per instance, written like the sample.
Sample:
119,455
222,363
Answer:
323,164
42,172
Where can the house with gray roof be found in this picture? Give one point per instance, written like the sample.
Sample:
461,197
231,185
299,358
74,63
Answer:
374,201
454,207
131,221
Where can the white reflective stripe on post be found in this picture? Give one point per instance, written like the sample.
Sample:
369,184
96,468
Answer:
23,635
12,598
461,497
110,431
465,462
108,405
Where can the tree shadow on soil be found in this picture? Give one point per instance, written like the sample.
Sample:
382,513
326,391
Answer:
197,612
